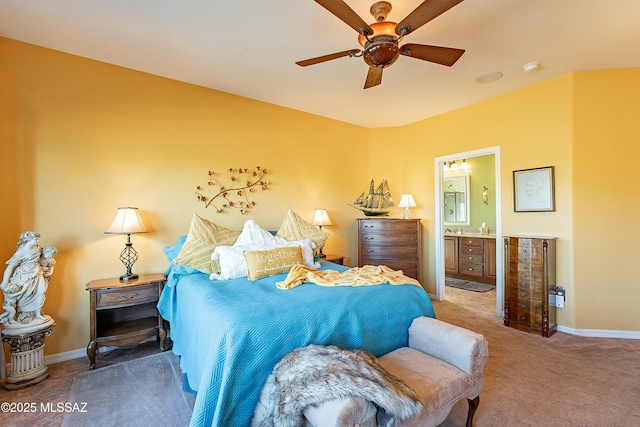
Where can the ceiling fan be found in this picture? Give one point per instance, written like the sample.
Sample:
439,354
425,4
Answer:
380,39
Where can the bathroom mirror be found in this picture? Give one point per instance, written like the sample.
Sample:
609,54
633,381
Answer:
456,200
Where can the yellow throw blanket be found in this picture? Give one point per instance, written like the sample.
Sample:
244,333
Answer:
357,276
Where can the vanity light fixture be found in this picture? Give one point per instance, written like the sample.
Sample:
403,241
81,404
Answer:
485,196
454,166
464,164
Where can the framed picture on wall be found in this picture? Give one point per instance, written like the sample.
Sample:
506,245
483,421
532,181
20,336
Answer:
533,190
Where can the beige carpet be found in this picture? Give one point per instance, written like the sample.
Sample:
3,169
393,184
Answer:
560,381
564,380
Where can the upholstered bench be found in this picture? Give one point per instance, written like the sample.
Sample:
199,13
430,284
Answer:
442,364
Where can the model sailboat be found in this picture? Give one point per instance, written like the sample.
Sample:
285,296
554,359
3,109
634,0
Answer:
375,201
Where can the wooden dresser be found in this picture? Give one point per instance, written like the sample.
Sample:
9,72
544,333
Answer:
471,258
530,273
394,242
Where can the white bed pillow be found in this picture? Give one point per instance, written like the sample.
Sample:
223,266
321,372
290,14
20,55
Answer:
254,238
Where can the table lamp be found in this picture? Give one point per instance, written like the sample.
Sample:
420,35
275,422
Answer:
320,219
406,202
127,221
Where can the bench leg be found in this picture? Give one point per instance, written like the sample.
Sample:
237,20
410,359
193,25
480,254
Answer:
473,407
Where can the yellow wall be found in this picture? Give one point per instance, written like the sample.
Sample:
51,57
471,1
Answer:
80,138
606,202
585,125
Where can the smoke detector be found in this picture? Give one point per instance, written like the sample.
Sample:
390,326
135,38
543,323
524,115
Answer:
531,66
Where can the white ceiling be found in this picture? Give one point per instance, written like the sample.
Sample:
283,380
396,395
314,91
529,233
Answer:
248,48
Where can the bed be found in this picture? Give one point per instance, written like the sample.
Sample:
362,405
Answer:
230,333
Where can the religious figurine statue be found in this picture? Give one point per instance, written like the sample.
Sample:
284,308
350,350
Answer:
25,282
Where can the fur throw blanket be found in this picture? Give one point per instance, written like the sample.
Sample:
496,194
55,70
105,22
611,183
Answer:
316,374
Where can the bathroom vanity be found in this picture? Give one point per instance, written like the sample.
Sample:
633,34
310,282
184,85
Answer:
470,257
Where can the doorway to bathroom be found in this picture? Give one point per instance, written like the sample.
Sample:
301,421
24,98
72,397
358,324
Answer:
469,262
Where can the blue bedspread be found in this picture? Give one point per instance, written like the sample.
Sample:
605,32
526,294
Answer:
230,334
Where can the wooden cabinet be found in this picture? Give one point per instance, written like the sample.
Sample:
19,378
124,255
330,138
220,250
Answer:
470,258
124,313
336,259
451,255
394,242
530,273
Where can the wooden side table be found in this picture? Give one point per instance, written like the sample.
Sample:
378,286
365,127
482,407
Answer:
336,259
125,313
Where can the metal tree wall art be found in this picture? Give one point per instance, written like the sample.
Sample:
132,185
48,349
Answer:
235,194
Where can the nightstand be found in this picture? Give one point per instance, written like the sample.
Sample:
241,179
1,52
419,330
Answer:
336,259
124,314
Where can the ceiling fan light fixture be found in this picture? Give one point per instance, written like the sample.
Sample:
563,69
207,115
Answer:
381,39
491,77
380,10
385,28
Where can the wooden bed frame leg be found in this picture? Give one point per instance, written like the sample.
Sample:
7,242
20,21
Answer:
473,407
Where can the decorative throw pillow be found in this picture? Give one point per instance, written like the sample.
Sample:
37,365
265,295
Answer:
272,262
259,239
295,228
204,236
253,238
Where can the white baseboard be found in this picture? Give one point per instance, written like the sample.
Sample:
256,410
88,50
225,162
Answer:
595,333
601,333
67,355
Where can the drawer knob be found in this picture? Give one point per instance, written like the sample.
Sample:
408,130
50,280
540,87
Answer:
470,257
523,294
523,275
470,268
524,305
524,285
470,250
523,318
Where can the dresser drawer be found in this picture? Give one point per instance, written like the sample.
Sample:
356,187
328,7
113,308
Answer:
471,241
388,252
473,250
471,269
109,298
471,258
527,295
387,225
395,239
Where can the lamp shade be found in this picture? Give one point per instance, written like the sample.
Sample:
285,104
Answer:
406,201
321,218
127,221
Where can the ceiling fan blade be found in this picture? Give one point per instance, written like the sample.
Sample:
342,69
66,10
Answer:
329,57
428,10
438,54
374,77
346,15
